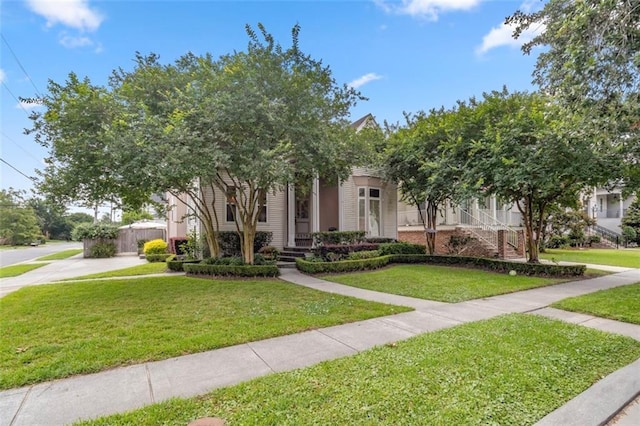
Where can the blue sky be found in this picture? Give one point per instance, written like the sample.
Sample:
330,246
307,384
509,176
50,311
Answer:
406,55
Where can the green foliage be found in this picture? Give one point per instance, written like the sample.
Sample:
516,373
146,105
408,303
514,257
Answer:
157,246
365,254
333,252
18,222
631,220
102,249
157,257
458,243
338,237
341,265
94,231
567,228
401,248
177,265
191,248
220,270
131,216
269,252
629,234
230,242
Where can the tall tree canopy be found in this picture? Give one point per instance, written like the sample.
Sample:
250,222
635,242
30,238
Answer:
246,124
591,61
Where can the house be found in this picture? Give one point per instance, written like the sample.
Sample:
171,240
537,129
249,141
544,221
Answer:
607,206
362,202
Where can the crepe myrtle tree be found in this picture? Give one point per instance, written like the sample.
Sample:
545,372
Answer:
534,153
246,124
419,159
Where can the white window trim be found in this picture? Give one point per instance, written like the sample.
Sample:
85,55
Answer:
227,204
367,204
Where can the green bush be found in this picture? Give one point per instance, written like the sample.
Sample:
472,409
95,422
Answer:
269,253
177,265
102,249
157,246
157,257
218,270
231,260
230,242
401,248
380,240
341,265
94,231
367,254
337,237
334,252
558,241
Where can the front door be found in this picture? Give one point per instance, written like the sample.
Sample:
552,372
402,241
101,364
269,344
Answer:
303,224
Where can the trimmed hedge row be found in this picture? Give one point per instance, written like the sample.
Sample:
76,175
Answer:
532,269
157,257
231,270
177,265
341,265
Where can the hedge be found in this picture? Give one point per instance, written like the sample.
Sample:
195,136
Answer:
157,257
342,265
199,269
533,269
333,252
176,265
337,237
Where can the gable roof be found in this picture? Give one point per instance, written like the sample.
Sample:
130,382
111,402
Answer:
366,121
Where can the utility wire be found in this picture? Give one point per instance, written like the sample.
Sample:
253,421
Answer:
28,177
14,97
20,65
39,161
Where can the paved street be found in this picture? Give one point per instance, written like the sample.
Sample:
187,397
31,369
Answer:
12,256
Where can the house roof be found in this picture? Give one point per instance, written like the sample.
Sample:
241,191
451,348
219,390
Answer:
366,121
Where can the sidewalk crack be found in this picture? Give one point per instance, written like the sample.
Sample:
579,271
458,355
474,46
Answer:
153,398
260,358
15,416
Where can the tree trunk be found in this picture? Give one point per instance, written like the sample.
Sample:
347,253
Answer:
430,229
533,255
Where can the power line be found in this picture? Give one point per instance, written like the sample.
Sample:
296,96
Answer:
14,97
39,161
20,65
28,177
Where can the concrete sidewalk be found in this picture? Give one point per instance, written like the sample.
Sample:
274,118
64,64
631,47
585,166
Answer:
121,389
57,270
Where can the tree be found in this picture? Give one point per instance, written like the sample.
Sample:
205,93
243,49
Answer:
419,159
591,62
631,219
534,153
51,218
131,216
18,222
245,125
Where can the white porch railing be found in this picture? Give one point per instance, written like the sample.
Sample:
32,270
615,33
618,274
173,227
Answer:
489,227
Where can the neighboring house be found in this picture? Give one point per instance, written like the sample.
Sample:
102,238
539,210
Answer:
607,207
363,202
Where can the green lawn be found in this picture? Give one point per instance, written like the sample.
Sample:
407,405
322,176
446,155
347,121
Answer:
65,254
55,331
442,283
144,269
15,270
629,258
488,372
619,303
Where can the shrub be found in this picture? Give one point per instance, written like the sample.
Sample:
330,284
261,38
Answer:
230,242
402,248
269,253
458,243
594,239
558,241
380,240
102,249
629,234
231,260
94,231
342,265
333,252
177,265
365,254
155,247
337,237
219,270
140,244
157,257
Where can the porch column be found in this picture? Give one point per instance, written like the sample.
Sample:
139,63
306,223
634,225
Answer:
621,215
315,195
494,208
291,215
340,206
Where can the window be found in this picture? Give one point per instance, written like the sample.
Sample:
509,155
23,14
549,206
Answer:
231,207
369,211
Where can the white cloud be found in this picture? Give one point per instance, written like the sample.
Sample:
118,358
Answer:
361,81
429,9
3,76
502,35
71,13
71,42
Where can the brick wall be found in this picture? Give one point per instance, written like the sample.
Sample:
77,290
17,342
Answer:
474,248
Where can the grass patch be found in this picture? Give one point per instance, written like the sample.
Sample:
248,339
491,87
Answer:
55,331
513,369
629,258
15,270
619,303
65,254
442,283
143,269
